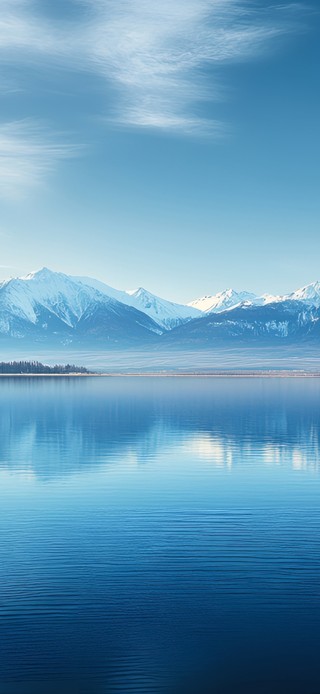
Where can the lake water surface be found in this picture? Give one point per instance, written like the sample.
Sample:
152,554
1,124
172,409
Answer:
159,535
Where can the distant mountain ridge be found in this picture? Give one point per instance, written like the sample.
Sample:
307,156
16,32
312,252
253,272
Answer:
54,308
222,301
229,299
166,313
288,320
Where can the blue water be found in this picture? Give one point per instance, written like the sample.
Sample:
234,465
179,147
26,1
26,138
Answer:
159,535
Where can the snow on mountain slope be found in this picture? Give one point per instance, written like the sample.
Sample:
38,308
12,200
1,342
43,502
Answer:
310,294
268,299
285,320
222,301
166,313
52,302
53,291
46,305
101,287
229,299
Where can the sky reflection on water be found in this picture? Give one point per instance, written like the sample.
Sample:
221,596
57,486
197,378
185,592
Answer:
159,535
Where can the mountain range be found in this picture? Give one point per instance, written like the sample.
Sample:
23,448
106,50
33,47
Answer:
57,309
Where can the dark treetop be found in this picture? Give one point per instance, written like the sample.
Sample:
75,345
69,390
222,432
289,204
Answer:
35,367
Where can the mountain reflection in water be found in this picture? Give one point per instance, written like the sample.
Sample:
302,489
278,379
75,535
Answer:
159,535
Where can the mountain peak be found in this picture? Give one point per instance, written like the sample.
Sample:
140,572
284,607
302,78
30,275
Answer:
226,299
137,292
166,314
44,273
313,285
310,294
52,305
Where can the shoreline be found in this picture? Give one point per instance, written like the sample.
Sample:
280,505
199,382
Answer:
175,374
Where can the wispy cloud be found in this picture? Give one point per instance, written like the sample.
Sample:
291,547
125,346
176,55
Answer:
28,153
157,54
25,30
165,57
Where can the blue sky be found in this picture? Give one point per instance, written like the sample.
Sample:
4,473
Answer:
172,145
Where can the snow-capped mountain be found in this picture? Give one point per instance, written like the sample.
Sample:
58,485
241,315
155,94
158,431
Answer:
268,299
283,320
54,308
223,300
166,314
310,294
230,298
54,291
50,305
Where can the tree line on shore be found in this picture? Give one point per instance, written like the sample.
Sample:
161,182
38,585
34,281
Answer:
36,367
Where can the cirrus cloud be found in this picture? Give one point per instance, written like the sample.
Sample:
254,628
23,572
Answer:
158,53
164,58
28,152
158,62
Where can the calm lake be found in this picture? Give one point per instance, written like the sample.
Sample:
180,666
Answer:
159,535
